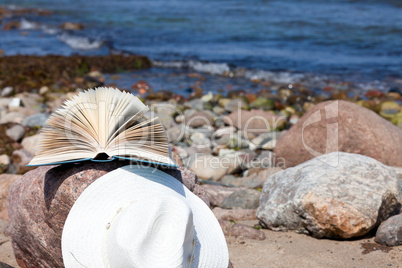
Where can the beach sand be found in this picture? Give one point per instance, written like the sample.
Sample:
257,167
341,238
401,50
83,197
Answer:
283,249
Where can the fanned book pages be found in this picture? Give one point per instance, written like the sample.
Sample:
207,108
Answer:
102,125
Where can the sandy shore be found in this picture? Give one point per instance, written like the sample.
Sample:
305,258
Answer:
282,250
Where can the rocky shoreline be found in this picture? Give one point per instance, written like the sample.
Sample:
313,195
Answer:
244,148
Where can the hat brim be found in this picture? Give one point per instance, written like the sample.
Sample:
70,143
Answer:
85,230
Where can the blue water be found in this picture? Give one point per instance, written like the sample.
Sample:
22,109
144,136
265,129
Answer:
351,38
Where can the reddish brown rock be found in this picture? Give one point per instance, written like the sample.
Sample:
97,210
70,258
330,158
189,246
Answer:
235,214
39,202
240,230
349,128
5,183
254,121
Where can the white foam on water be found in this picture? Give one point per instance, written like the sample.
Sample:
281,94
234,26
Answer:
49,30
202,67
28,25
80,42
211,68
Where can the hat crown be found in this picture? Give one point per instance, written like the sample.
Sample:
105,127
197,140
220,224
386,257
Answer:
152,233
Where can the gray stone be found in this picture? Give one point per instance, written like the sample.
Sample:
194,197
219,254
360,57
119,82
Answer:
390,232
208,167
265,141
218,193
166,120
175,134
218,110
16,132
30,143
236,104
7,91
256,180
13,117
248,199
195,104
338,195
35,120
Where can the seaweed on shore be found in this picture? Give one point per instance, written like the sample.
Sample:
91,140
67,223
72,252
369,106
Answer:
26,72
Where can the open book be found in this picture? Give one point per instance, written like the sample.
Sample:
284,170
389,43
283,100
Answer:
101,125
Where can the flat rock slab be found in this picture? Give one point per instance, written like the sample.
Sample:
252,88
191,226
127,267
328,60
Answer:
338,195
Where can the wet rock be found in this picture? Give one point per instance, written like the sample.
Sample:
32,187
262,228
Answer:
218,193
142,87
263,103
390,232
200,118
7,92
16,132
35,120
39,202
248,199
349,128
254,121
11,25
72,26
338,195
5,183
240,230
30,143
234,214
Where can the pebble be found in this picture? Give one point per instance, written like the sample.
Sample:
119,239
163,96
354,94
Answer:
175,134
238,214
43,90
4,162
236,104
16,132
233,229
13,117
35,120
30,143
7,92
15,102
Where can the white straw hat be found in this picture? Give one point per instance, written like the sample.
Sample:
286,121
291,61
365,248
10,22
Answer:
138,216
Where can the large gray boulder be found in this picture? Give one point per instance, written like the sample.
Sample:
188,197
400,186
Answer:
338,195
